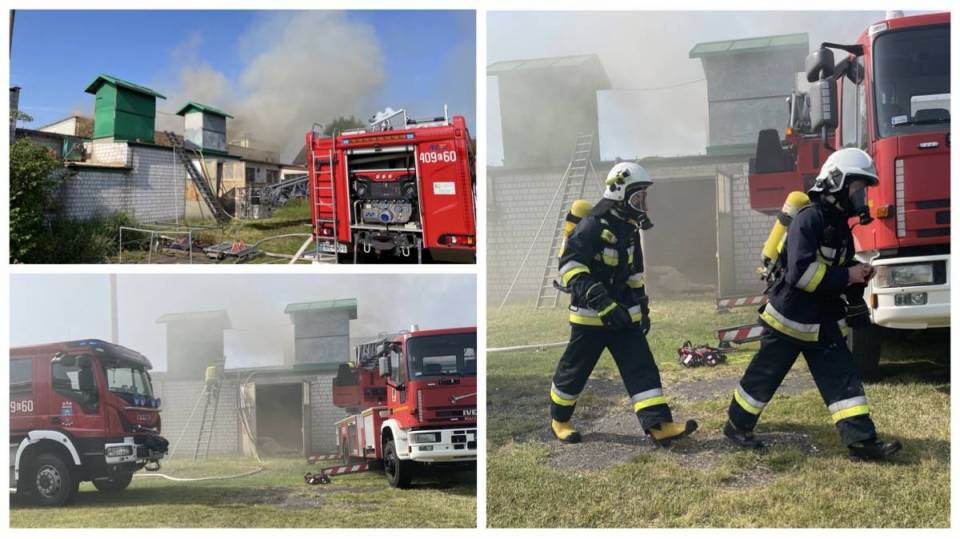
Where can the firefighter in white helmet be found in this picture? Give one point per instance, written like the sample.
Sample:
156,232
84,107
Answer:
816,287
601,266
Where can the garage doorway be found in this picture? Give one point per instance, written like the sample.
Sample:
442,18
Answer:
684,212
279,419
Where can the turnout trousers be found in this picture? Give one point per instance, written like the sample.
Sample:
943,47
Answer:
833,369
634,360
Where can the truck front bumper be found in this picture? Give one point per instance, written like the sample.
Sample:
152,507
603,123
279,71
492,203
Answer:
933,312
451,445
129,455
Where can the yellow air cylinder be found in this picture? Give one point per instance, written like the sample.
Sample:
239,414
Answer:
210,374
794,203
578,210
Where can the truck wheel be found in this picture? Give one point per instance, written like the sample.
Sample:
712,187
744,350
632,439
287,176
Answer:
114,484
52,483
398,472
865,344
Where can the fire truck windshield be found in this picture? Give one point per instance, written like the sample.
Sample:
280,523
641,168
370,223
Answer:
912,80
127,378
442,355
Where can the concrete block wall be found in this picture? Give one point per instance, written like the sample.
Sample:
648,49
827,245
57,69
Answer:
516,203
750,230
150,190
323,415
178,399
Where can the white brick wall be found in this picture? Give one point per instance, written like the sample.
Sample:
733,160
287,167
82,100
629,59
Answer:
517,201
150,191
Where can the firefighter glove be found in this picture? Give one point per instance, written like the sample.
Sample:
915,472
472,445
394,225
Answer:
644,303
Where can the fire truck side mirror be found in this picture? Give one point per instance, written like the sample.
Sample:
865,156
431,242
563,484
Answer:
823,105
819,64
384,365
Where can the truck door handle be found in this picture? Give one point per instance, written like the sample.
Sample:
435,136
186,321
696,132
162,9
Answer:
55,420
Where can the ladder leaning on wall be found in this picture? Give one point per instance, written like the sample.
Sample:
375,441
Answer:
570,188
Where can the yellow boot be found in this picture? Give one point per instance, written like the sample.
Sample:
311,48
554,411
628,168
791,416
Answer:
664,433
564,431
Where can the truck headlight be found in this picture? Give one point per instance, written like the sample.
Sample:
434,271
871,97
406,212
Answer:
426,437
904,275
120,451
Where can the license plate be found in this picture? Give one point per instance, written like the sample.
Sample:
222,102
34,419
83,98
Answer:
328,247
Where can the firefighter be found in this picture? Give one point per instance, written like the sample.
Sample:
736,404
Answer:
816,287
601,266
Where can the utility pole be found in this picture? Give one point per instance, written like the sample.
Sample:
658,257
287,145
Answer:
114,322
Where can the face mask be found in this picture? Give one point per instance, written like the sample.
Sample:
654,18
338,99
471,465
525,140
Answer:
636,206
857,205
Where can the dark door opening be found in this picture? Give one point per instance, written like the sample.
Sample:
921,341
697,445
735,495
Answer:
685,233
280,419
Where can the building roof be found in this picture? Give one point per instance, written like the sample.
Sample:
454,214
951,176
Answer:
581,60
192,106
84,125
195,316
753,44
107,79
330,305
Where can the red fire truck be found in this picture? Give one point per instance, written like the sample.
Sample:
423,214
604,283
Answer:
890,96
412,400
80,411
400,187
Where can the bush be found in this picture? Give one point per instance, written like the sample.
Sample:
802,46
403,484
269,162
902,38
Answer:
33,183
91,241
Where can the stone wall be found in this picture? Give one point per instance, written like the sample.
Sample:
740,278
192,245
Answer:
178,400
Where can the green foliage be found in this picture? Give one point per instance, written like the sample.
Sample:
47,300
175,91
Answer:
32,186
38,234
342,123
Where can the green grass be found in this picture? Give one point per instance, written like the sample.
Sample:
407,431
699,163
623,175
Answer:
806,481
276,497
291,218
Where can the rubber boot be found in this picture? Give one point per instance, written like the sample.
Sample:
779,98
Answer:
744,439
665,433
873,449
564,431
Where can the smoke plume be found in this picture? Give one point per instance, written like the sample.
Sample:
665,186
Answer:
298,68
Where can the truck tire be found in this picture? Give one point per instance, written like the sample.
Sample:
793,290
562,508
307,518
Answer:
865,344
114,484
398,472
52,482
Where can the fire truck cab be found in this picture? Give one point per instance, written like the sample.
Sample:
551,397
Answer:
80,411
412,399
888,94
400,187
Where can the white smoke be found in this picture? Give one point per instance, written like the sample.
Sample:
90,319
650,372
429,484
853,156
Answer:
300,68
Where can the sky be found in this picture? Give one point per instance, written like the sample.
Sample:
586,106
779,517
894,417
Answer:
50,308
659,102
283,62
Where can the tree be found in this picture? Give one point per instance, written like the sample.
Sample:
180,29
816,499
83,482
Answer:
32,186
342,123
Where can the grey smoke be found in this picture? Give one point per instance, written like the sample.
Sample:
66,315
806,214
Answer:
298,68
642,50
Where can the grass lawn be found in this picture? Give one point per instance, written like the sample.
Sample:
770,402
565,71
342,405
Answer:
616,478
276,497
292,218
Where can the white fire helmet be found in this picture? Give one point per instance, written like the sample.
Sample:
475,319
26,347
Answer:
843,164
622,177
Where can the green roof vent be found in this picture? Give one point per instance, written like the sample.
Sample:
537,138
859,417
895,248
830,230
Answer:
124,110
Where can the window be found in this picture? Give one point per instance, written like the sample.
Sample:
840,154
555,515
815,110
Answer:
128,380
395,374
74,378
443,355
21,377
